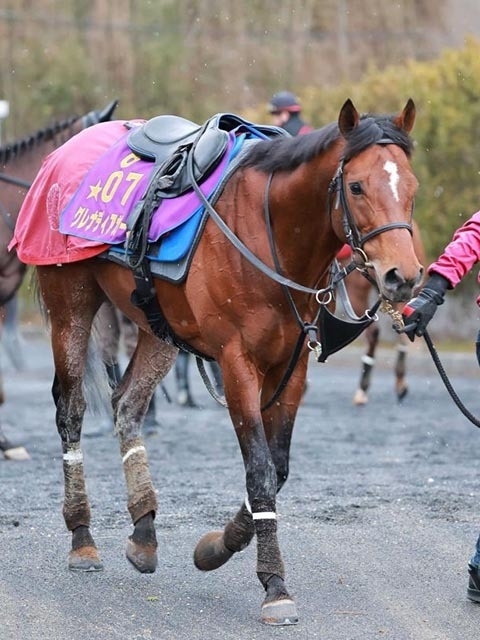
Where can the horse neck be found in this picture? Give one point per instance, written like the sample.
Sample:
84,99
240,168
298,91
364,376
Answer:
22,159
305,240
25,164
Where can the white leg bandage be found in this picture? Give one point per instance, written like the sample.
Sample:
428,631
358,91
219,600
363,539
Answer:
132,452
260,515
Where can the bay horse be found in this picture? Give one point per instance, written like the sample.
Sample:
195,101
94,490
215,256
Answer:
257,279
19,164
359,290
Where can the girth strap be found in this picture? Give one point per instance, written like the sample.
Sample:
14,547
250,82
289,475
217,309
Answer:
144,297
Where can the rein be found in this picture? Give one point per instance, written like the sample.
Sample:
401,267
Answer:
241,247
309,329
15,181
322,296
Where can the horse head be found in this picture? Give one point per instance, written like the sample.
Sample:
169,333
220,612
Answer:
103,115
375,189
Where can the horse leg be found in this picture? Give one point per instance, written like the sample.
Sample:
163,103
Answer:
12,340
11,450
278,420
266,464
2,388
83,555
372,333
184,394
216,547
151,361
401,386
70,343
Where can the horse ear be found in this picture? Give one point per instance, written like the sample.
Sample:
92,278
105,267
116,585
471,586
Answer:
348,117
406,119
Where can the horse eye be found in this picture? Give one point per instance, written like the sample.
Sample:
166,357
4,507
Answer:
356,189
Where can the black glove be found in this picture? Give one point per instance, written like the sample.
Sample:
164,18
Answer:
419,311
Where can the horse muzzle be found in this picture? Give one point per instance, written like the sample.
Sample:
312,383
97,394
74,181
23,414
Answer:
395,287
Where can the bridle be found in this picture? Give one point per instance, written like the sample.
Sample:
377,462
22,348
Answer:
353,236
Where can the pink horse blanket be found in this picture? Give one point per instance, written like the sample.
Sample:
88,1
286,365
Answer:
81,199
37,238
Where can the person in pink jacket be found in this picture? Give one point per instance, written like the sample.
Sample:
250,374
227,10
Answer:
457,259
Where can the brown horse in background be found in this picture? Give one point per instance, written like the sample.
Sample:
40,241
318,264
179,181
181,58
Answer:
359,290
258,279
19,164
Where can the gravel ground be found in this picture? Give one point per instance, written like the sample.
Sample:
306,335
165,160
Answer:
377,521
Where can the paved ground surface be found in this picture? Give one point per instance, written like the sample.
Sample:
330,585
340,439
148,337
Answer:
377,521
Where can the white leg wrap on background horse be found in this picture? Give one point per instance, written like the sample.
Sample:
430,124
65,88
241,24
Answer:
368,360
73,455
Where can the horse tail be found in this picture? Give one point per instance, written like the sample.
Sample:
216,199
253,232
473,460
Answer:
34,288
95,382
96,387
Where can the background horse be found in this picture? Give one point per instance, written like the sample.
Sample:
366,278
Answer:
257,281
19,164
360,290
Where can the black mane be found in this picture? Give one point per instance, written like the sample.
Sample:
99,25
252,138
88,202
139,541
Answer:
286,154
14,149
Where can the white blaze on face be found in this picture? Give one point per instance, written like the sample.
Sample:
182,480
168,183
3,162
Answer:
391,168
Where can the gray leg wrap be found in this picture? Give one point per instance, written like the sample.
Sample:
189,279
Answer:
141,494
239,531
269,559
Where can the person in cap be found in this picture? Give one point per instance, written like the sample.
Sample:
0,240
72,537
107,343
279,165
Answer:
286,110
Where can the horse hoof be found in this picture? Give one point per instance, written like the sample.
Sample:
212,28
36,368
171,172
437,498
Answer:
279,613
16,453
401,393
210,552
143,557
360,398
85,559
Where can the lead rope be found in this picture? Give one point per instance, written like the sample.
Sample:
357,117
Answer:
443,375
398,325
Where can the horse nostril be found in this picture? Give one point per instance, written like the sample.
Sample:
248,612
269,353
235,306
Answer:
397,288
393,279
419,278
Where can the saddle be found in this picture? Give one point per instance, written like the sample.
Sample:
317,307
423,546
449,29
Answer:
167,141
184,153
